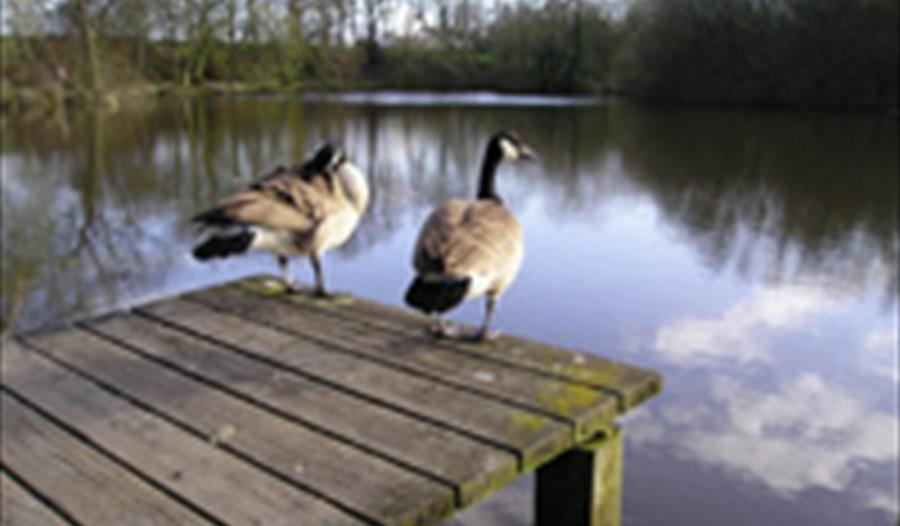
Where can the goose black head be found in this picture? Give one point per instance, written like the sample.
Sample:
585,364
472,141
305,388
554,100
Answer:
512,147
502,145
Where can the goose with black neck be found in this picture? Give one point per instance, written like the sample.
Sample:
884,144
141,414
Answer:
469,248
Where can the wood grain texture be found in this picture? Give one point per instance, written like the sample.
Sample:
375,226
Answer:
416,444
212,479
243,405
325,466
18,507
587,410
533,436
632,384
82,474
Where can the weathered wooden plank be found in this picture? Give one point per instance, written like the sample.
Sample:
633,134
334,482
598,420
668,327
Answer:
324,466
210,478
20,508
535,437
420,445
88,486
587,410
633,384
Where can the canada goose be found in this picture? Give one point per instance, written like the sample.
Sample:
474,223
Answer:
306,209
467,248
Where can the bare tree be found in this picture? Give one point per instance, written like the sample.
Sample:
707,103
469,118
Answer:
89,42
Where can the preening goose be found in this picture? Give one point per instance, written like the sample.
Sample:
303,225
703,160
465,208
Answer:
298,210
469,248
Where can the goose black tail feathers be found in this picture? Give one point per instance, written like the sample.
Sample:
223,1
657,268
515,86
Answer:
224,245
436,294
213,217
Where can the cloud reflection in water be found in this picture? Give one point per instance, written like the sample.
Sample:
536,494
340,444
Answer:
729,246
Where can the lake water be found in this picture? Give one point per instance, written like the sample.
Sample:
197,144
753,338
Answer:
749,257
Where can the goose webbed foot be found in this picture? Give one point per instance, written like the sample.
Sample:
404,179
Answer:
322,294
444,330
290,286
481,335
439,328
337,298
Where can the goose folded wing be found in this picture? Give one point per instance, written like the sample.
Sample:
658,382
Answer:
463,238
261,209
274,206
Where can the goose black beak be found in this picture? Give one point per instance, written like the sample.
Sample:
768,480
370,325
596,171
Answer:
527,154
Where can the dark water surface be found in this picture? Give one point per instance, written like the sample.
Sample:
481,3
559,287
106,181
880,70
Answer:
751,258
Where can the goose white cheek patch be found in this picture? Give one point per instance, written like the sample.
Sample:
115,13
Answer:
509,150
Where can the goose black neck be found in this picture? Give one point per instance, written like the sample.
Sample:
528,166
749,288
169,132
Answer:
486,186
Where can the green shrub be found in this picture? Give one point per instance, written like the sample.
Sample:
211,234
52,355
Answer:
772,52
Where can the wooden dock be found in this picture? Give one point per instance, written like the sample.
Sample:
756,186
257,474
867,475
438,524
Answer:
243,405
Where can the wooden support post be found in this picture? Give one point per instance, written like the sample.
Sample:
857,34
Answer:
582,487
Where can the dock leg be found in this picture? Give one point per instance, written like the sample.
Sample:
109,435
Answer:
582,487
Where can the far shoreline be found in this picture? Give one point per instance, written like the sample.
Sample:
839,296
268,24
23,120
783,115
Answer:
51,99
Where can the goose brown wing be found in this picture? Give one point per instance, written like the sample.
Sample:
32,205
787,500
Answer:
279,201
462,238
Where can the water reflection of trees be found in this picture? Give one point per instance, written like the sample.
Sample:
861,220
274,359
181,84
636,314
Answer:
72,224
772,194
95,206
